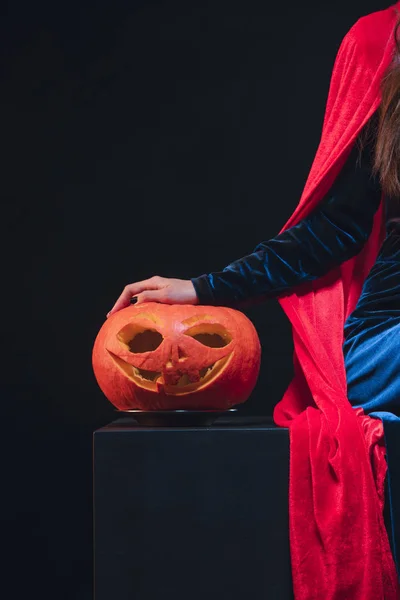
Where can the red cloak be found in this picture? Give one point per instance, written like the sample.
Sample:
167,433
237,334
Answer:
338,541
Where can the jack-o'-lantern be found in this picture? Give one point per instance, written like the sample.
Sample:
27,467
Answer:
155,356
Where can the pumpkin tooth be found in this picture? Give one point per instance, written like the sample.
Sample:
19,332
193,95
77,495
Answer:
205,370
183,380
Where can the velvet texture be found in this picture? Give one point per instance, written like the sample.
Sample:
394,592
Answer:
371,335
339,544
334,231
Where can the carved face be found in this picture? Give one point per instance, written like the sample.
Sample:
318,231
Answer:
155,356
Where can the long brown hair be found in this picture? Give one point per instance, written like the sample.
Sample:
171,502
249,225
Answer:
387,148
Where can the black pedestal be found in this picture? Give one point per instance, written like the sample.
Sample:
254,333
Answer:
192,513
392,498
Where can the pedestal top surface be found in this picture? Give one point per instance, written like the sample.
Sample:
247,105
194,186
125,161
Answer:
127,424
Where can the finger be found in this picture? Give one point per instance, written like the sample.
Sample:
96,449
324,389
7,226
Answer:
133,289
154,283
122,302
153,296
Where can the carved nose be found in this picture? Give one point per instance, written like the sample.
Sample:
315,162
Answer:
176,355
182,356
171,358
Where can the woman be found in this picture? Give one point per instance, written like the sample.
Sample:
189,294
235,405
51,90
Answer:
336,272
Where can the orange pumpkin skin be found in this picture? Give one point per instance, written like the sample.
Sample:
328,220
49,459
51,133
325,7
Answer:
155,356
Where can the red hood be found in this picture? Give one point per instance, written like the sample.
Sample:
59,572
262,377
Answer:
339,544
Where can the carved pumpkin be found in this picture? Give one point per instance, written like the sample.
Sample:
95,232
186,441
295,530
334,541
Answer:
155,356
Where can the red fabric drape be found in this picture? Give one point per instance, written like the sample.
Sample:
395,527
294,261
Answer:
339,544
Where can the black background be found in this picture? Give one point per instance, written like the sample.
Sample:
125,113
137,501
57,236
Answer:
139,138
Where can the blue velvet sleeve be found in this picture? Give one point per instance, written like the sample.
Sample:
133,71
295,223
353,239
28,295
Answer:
335,231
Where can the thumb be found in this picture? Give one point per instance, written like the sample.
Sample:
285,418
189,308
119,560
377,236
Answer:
152,296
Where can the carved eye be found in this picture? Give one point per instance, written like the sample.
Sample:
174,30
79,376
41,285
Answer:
210,335
137,339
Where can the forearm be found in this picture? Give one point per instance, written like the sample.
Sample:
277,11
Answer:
333,233
302,253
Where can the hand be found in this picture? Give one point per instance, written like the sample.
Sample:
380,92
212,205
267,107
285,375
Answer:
157,289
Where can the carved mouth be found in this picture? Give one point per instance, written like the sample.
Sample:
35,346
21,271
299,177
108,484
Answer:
177,383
